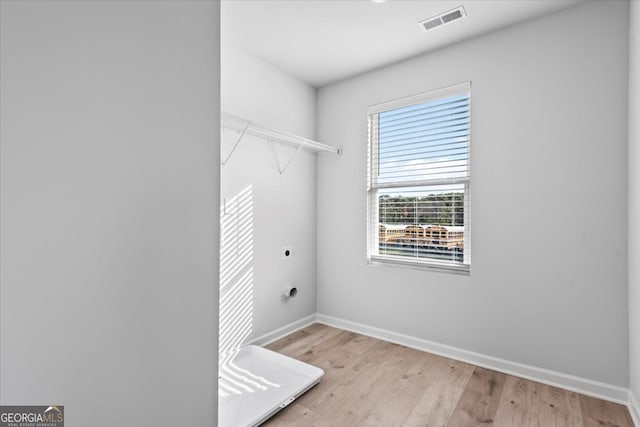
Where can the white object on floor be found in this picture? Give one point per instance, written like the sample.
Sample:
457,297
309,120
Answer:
256,383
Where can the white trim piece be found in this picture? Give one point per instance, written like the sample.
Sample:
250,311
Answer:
283,331
455,89
634,409
427,265
585,386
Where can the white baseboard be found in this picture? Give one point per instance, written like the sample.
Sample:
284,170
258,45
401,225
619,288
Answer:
275,335
634,409
585,386
569,382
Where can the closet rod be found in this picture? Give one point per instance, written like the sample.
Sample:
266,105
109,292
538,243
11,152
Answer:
238,124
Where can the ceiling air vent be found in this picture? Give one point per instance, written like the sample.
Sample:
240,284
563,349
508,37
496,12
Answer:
443,18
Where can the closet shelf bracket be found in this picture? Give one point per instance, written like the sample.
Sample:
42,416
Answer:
282,169
224,162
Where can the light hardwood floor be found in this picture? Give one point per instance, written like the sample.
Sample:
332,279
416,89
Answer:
369,382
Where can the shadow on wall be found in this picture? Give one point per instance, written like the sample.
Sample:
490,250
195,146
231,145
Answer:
236,290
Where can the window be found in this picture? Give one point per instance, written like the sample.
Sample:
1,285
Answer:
418,183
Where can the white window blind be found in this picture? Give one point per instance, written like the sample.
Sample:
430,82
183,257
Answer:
419,178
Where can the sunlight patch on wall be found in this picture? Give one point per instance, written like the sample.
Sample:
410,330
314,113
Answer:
236,294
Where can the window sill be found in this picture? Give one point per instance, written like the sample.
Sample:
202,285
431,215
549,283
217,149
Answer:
434,266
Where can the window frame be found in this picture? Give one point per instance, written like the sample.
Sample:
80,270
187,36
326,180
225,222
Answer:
372,221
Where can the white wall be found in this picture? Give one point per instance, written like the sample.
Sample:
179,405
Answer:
109,204
283,209
548,283
634,203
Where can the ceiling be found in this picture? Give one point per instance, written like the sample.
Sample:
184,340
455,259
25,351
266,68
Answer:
323,41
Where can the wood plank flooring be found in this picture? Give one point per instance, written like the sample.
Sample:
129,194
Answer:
369,382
